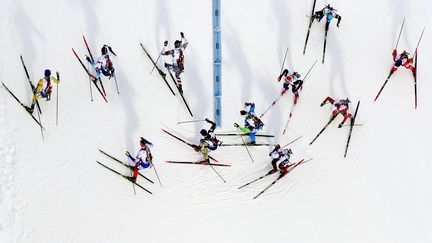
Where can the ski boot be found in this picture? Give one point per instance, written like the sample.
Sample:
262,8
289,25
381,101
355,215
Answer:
132,179
236,125
180,88
162,74
29,110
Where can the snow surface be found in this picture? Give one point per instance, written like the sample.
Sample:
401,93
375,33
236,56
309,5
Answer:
54,191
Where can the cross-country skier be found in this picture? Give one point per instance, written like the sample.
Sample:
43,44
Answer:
43,89
402,59
177,55
208,141
329,12
143,159
292,79
104,64
281,160
252,123
339,106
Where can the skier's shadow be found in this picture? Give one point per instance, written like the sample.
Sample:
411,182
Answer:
338,86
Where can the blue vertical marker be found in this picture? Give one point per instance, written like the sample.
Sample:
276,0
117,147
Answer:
217,60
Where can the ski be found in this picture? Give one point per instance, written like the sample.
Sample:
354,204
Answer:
162,74
325,39
415,68
289,118
196,163
278,178
124,164
257,179
92,59
351,128
309,28
322,130
415,81
185,142
243,134
24,106
181,93
125,177
94,79
251,145
379,92
31,84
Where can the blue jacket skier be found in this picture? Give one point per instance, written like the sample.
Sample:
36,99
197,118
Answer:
252,123
328,12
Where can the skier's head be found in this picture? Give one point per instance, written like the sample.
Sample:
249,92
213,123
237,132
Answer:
47,73
243,112
347,100
143,142
104,50
398,63
277,147
203,132
177,44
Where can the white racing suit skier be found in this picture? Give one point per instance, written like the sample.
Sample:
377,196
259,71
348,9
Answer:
177,65
142,160
281,160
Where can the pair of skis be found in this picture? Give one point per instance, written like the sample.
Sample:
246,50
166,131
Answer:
122,175
297,97
273,182
352,124
327,26
163,75
92,78
415,67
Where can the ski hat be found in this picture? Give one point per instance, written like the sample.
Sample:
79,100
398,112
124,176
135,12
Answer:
104,50
144,142
177,44
347,100
47,73
203,132
243,112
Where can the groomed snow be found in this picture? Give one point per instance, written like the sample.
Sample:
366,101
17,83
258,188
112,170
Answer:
54,191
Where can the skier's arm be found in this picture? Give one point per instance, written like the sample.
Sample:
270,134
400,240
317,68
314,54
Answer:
170,52
55,80
213,125
284,73
252,107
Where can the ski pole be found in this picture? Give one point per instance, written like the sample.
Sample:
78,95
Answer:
57,98
115,79
154,168
292,141
418,43
180,122
40,122
310,69
182,36
160,54
400,32
247,149
274,102
283,63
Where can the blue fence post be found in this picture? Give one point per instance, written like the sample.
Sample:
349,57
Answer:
217,60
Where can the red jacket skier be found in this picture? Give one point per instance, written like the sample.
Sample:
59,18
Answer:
339,106
402,59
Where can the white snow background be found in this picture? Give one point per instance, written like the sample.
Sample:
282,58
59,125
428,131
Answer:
54,191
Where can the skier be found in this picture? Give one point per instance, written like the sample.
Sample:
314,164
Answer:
208,141
292,79
329,12
252,123
142,160
281,160
402,60
104,63
43,89
339,106
177,55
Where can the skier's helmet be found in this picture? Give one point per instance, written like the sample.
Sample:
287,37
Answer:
296,74
177,44
203,132
143,142
347,100
243,112
287,151
104,50
47,73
